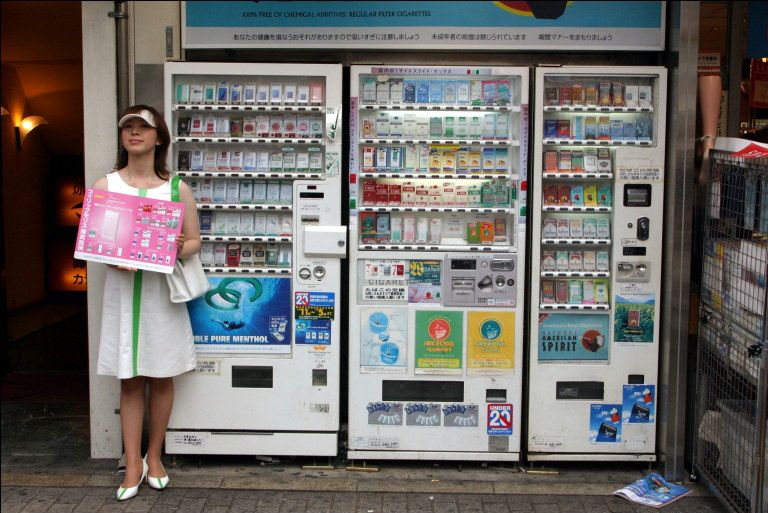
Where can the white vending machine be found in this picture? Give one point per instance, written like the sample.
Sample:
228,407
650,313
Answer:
597,215
259,146
437,170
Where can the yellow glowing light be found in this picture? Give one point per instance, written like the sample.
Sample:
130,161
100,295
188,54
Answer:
27,125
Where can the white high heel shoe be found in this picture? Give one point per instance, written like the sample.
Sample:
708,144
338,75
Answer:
158,483
127,493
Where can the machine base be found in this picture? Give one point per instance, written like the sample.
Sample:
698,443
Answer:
589,457
433,455
251,443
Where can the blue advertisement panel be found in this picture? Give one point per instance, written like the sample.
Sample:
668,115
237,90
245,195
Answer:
314,312
639,404
605,423
243,314
573,337
583,25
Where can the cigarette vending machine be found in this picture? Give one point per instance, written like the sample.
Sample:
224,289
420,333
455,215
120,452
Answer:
437,234
258,144
597,214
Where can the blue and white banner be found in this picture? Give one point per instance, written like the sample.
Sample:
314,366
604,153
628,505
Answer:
503,26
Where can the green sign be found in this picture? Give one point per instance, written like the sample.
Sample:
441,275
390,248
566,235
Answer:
439,340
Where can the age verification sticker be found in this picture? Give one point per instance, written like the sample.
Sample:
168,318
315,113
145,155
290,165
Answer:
499,420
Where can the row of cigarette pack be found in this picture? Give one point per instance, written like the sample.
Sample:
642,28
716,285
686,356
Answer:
578,195
436,158
394,124
574,292
589,260
490,193
277,192
591,160
600,94
386,228
251,93
287,159
288,125
260,224
245,255
576,228
435,91
599,128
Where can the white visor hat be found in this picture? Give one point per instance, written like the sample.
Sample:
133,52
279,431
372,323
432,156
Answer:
144,114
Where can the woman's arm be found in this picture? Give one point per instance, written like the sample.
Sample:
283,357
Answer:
189,243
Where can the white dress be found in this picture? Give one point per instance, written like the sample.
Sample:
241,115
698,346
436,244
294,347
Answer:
142,332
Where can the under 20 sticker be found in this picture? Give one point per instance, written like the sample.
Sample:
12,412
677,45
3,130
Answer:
499,421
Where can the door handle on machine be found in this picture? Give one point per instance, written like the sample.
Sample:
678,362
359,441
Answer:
325,241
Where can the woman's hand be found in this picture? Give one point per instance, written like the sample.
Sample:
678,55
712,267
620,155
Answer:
180,238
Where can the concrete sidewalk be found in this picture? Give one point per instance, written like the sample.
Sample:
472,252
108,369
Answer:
46,467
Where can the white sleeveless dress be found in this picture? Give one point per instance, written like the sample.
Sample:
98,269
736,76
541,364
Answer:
142,332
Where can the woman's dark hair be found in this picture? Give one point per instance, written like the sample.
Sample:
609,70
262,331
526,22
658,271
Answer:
161,150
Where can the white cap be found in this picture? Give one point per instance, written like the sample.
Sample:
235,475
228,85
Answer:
144,114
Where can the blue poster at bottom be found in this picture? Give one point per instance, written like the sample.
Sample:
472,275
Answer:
313,331
605,423
243,314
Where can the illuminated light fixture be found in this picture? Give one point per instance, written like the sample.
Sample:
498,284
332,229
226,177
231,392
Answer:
26,126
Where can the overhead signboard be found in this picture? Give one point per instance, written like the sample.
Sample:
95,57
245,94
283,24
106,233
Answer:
503,26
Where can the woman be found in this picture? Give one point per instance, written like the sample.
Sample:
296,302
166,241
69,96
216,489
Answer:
145,339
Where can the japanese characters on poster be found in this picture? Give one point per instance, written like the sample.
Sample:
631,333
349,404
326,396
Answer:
243,314
564,337
490,342
383,336
635,314
313,313
439,341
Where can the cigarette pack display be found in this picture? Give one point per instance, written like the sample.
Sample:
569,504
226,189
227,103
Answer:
462,92
575,227
181,93
233,191
249,94
564,195
550,161
617,93
563,129
236,94
435,91
590,94
630,131
590,128
259,223
369,90
435,230
500,231
577,95
489,126
396,125
565,160
561,292
219,191
275,93
550,129
487,231
422,91
630,96
602,228
209,93
209,125
643,129
563,229
578,131
259,254
489,92
590,160
603,160
601,292
552,96
549,228
548,262
422,230
206,190
565,95
449,194
233,223
246,255
575,292
286,192
589,228
590,195
382,194
409,229
604,128
604,195
220,254
449,92
577,160
473,233
367,227
407,195
183,161
206,254
645,96
206,221
222,93
272,257
503,92
262,94
604,94
220,223
547,291
409,91
617,129
302,94
394,194
448,161
247,223
396,229
588,291
574,261
561,260
550,194
588,261
601,261
273,224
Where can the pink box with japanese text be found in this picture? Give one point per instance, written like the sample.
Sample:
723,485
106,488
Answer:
122,229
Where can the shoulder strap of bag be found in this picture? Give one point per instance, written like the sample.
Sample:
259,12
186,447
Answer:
175,188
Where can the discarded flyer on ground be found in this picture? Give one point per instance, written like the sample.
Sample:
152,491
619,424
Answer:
127,230
652,490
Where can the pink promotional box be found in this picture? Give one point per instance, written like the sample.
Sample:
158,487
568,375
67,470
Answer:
129,230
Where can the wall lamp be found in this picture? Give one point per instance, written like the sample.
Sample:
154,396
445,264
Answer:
26,126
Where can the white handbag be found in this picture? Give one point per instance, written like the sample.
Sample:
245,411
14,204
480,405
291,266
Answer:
188,280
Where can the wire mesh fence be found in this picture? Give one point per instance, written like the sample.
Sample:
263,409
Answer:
730,448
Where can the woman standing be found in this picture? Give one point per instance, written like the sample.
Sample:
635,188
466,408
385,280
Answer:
145,339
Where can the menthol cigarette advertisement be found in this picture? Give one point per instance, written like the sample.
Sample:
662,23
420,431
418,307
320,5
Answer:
243,314
490,342
383,335
439,341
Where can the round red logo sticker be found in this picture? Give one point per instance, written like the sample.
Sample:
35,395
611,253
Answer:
439,329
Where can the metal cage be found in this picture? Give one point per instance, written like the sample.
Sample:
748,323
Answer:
731,374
